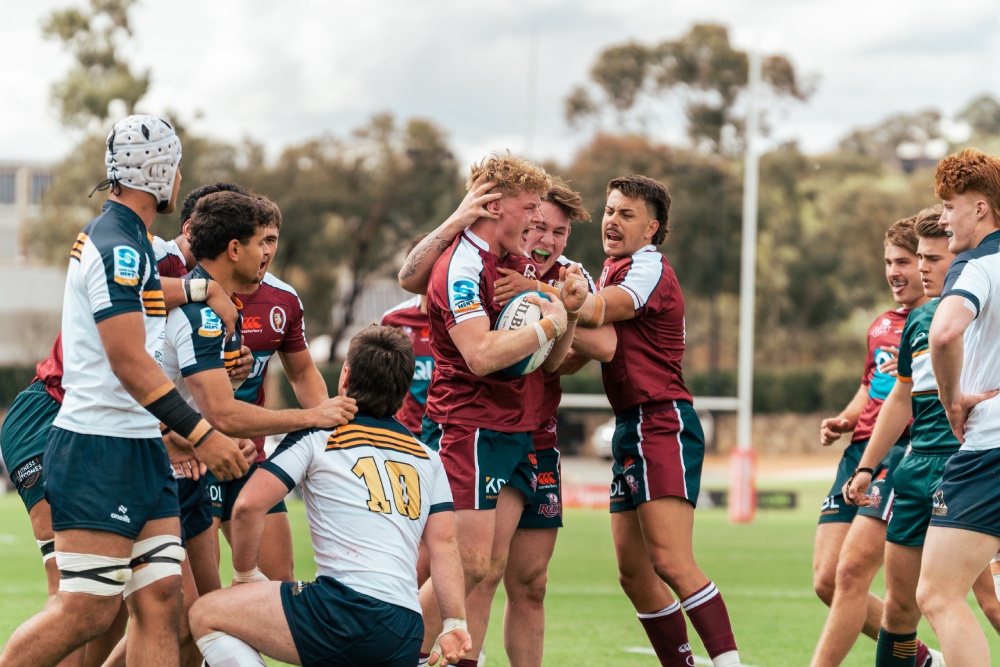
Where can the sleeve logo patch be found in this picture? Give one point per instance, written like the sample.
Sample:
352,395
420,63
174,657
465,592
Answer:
211,325
464,297
126,265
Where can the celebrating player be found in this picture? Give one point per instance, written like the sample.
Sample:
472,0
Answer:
370,489
658,443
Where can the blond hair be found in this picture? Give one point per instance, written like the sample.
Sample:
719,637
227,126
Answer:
511,174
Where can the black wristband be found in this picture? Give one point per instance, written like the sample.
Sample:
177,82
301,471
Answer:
867,470
204,438
175,413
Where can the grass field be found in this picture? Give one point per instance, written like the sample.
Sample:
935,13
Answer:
763,570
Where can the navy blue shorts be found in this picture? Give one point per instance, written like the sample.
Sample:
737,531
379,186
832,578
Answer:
336,626
196,507
223,495
22,440
881,490
544,508
98,482
967,497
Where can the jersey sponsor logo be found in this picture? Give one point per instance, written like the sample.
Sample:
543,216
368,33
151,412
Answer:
938,507
126,265
553,508
278,319
628,462
829,506
423,369
533,459
547,478
464,297
28,473
617,490
493,486
881,383
252,323
211,325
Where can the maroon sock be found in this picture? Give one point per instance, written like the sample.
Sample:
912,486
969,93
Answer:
468,662
424,656
710,619
668,634
923,654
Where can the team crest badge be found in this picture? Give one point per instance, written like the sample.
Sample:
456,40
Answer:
529,271
938,508
875,498
633,485
211,325
278,319
553,508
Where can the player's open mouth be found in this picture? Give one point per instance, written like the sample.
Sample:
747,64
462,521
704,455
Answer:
898,287
540,256
613,236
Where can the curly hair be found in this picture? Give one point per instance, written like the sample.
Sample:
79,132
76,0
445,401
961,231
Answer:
902,234
928,223
969,170
511,174
653,193
568,200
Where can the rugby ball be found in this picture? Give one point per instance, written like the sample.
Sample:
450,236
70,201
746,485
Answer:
519,313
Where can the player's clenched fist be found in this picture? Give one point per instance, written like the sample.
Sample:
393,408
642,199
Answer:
222,456
574,289
830,430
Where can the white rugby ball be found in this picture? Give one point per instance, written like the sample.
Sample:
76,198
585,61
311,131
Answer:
519,313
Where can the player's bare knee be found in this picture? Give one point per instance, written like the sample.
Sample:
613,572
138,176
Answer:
929,600
85,617
670,570
853,574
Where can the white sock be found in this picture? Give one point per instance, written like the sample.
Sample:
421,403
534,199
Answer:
222,650
729,659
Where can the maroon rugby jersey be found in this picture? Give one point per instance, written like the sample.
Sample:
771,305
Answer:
461,289
272,322
413,322
50,370
549,389
886,330
646,367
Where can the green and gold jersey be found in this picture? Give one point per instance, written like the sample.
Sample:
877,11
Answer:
930,432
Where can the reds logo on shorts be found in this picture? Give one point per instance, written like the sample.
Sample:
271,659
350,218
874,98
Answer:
876,498
553,508
633,485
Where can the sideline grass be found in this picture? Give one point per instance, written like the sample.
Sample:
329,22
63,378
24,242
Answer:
762,568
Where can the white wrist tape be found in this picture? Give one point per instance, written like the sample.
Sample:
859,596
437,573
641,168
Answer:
199,289
249,577
559,329
540,332
451,624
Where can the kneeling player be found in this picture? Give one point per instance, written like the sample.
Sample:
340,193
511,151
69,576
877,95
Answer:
371,489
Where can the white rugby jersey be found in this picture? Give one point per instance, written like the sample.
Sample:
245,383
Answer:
975,276
112,271
369,487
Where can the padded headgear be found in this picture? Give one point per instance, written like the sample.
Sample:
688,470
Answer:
143,154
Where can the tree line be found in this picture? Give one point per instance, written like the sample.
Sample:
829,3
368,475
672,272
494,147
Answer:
352,201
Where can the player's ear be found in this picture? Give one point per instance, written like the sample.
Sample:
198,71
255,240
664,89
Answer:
493,206
651,228
233,249
345,373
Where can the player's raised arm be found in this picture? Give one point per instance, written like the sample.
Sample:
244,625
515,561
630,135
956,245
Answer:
416,270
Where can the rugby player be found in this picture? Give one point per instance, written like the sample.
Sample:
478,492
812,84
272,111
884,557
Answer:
850,540
658,443
918,475
107,476
370,489
964,532
273,321
475,413
410,317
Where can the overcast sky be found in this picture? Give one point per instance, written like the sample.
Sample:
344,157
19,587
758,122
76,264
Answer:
281,72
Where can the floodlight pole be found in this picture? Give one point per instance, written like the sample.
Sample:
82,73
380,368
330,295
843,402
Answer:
742,493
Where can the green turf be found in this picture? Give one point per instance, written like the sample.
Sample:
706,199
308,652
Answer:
763,570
